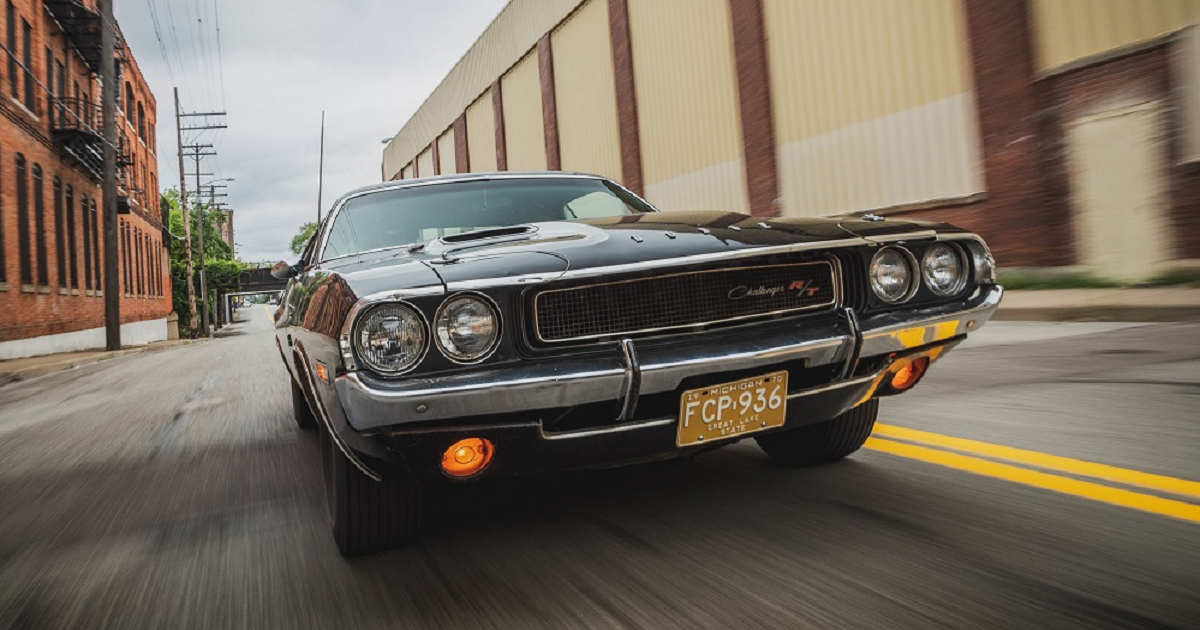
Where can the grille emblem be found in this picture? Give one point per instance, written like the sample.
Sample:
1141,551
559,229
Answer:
806,287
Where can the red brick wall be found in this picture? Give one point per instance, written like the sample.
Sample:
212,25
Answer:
30,311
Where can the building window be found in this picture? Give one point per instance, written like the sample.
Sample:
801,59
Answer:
141,122
123,243
50,82
3,257
72,255
128,100
60,237
39,223
11,41
23,240
141,266
27,59
87,242
60,90
95,247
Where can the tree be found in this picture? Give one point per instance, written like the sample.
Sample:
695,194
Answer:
222,273
300,240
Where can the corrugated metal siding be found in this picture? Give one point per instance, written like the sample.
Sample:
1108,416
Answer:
514,31
481,134
585,97
524,132
1070,30
445,145
687,104
873,103
425,163
407,172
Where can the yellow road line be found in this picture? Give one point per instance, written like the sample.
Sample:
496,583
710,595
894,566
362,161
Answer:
1046,481
1043,460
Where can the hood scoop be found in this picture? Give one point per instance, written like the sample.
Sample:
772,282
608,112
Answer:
451,244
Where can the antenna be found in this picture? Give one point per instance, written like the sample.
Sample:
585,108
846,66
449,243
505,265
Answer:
321,168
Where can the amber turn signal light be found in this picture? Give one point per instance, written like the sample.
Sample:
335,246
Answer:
910,374
467,457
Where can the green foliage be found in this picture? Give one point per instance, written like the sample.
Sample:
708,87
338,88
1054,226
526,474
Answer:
1027,281
222,272
300,240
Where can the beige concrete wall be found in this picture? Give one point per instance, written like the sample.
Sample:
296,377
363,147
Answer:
445,145
524,133
687,104
481,134
585,97
1119,191
425,163
873,104
1186,75
1068,31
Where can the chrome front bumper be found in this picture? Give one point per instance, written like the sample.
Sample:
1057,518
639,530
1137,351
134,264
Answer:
372,403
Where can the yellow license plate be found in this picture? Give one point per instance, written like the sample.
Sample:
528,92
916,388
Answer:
732,409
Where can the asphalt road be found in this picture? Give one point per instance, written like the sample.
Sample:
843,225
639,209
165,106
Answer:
171,490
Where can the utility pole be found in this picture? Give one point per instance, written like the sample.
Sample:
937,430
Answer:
197,155
112,291
321,168
187,225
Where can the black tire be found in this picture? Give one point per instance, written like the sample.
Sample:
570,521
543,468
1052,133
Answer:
822,443
367,515
305,419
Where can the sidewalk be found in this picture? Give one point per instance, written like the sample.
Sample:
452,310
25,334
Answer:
1159,304
15,370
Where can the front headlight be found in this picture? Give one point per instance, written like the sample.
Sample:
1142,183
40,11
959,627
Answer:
892,275
467,328
944,270
391,338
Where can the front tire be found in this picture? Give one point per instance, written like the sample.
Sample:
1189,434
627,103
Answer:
822,443
305,419
367,515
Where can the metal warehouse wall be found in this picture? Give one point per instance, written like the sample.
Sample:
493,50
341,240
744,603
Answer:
523,127
481,134
1072,30
425,163
445,145
585,93
687,104
873,104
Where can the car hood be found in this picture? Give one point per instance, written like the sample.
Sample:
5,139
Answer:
543,251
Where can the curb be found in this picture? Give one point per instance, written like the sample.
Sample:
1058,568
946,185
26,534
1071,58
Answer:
1099,313
23,374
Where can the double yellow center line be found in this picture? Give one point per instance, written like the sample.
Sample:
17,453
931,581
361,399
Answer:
969,456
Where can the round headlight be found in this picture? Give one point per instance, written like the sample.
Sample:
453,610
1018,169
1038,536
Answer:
891,275
391,338
467,328
943,268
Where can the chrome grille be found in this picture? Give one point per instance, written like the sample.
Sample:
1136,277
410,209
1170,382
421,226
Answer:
681,300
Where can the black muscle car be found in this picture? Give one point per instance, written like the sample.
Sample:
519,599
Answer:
452,328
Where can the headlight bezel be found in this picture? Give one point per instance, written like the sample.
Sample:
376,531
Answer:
914,275
436,330
965,269
360,320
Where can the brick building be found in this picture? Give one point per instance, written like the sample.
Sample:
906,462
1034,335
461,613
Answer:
51,222
1067,132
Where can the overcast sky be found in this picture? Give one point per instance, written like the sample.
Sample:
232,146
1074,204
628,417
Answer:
368,63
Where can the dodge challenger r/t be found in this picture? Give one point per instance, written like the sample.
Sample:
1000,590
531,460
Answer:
453,328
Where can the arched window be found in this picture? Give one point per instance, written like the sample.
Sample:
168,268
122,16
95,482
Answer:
141,122
39,227
23,239
87,242
72,255
60,234
128,99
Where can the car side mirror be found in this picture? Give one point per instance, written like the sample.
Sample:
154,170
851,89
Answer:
284,271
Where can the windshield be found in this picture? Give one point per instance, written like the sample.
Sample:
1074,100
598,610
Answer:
389,218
